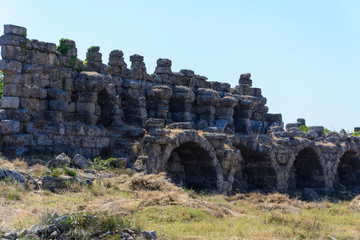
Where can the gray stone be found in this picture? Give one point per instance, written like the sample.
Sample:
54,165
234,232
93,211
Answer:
9,127
291,126
85,107
58,105
10,102
148,234
53,184
309,194
15,30
15,176
81,162
60,160
10,66
62,223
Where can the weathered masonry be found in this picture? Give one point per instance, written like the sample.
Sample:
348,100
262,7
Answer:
204,135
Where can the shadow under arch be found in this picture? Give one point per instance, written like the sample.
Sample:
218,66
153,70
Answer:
191,166
348,171
257,172
306,171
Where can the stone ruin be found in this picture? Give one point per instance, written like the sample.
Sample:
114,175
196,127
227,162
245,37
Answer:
204,135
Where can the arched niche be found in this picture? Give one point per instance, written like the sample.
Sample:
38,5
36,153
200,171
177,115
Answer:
306,171
348,172
191,166
257,172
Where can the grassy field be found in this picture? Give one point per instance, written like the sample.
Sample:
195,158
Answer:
153,203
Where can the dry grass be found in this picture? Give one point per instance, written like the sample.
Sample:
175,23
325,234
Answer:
174,213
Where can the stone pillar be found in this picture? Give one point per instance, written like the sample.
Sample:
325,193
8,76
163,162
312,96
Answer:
163,66
117,65
88,86
94,61
206,102
138,69
181,104
225,111
158,101
134,102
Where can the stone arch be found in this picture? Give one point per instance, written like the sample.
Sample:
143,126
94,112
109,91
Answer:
307,170
348,170
257,172
190,161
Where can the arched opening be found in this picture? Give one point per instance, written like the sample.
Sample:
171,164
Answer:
190,166
306,171
348,173
257,173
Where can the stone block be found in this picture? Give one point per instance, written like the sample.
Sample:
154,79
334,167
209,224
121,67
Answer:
18,139
3,114
13,40
9,102
85,107
94,130
58,105
86,97
15,90
205,109
44,139
42,46
57,94
182,117
30,103
15,30
10,66
102,142
14,78
13,52
224,111
72,107
43,105
274,117
9,127
21,115
88,142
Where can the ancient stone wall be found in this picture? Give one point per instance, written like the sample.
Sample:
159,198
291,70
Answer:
203,134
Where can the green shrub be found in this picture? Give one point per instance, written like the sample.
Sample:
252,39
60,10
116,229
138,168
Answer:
63,47
55,172
326,130
70,172
304,128
93,49
109,164
356,134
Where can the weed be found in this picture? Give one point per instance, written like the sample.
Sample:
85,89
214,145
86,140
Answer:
356,134
93,49
72,62
109,164
304,128
55,172
63,47
70,172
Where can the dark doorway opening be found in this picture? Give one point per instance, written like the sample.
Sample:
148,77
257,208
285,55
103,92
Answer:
190,166
306,171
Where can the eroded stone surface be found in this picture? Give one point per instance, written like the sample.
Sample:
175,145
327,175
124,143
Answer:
203,134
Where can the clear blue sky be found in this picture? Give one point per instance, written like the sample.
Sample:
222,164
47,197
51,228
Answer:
305,55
